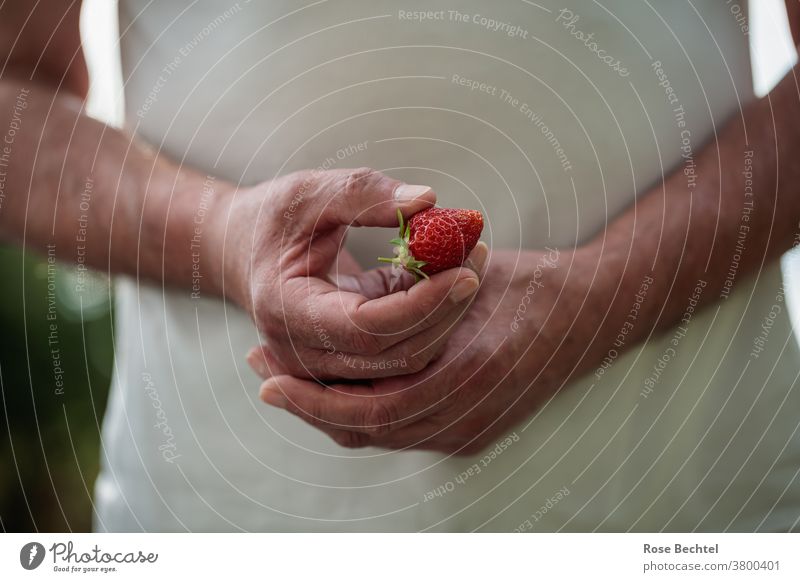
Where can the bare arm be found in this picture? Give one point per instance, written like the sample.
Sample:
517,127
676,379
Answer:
793,12
727,227
96,194
68,175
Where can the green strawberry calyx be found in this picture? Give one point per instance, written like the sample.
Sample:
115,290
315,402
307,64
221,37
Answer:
402,253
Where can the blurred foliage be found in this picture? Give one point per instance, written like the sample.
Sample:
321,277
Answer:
49,449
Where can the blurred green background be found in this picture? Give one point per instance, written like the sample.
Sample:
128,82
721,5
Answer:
49,449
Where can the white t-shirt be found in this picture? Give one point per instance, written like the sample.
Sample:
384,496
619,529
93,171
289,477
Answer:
550,120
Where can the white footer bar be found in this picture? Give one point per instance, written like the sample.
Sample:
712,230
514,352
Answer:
389,557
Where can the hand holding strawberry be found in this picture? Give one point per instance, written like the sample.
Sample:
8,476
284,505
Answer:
495,369
322,321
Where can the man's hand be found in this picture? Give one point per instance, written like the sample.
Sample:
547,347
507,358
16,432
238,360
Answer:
522,338
282,240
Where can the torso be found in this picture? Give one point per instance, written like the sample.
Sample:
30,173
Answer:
558,137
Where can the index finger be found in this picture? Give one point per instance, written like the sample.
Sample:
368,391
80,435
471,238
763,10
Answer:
357,324
357,408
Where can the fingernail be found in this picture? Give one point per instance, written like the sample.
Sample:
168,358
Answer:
406,192
477,258
274,397
463,289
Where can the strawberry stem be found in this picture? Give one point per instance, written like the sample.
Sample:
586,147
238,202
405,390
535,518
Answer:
403,257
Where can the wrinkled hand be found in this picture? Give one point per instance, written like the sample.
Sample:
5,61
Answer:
522,338
282,240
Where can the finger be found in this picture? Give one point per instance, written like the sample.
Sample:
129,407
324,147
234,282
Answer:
424,435
347,438
382,281
352,323
348,407
417,437
343,320
374,283
407,357
390,310
459,438
264,363
421,436
302,363
318,405
478,259
365,197
345,264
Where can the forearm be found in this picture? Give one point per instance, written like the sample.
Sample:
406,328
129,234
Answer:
98,196
735,214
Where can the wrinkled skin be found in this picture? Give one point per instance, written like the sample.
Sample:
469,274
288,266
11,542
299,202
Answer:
282,241
501,363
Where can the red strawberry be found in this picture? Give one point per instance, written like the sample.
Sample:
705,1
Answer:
436,239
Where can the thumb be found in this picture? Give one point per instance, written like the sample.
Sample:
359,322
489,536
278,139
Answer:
365,197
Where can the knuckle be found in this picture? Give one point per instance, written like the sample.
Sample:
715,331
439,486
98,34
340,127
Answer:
355,180
423,313
293,187
365,343
380,417
322,364
307,366
350,439
309,413
330,366
417,363
300,362
305,411
294,365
